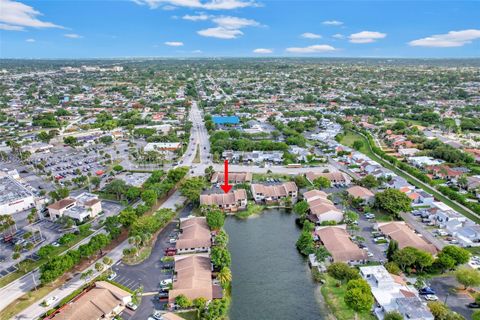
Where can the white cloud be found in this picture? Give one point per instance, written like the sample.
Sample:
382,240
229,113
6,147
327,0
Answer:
318,48
30,40
208,5
174,43
338,36
72,36
220,33
227,27
15,16
366,36
197,51
262,51
310,35
332,23
448,40
198,17
232,23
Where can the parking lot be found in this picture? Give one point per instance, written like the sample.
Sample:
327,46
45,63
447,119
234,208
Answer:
376,251
445,290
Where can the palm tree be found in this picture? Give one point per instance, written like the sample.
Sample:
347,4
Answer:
225,276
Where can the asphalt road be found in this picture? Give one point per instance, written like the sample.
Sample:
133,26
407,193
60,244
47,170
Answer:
148,273
444,286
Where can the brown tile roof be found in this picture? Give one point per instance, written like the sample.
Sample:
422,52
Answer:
360,192
195,234
337,241
275,190
318,202
233,177
60,204
194,278
94,303
221,199
332,176
405,236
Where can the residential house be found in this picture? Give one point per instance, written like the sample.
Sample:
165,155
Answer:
275,193
389,292
406,237
468,236
193,278
337,241
101,301
228,202
233,177
320,208
195,235
336,178
358,192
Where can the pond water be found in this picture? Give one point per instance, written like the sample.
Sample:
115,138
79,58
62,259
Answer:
271,280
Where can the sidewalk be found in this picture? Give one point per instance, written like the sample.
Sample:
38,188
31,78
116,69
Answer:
35,310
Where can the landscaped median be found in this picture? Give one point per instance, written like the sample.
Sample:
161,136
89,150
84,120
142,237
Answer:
368,151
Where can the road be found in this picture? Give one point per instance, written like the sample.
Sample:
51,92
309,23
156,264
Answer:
36,310
26,283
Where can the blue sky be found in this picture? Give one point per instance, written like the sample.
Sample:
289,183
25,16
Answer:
205,28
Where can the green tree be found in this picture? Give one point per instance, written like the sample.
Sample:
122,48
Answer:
476,315
460,255
225,277
221,239
392,249
220,257
321,183
342,271
357,144
117,187
369,182
117,168
215,219
358,300
393,201
149,197
468,277
393,315
305,242
192,188
301,208
444,262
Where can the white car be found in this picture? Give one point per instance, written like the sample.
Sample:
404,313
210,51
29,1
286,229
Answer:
48,302
112,276
430,297
173,240
369,254
132,306
166,282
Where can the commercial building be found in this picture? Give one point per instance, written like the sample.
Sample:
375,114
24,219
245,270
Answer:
85,205
162,146
14,197
228,202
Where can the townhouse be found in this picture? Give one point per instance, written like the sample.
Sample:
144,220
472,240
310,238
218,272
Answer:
338,243
274,193
195,235
321,209
228,202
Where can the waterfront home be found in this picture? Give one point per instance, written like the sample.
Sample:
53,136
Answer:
274,193
101,301
193,278
195,235
336,177
389,292
406,237
233,177
337,241
362,193
229,202
320,208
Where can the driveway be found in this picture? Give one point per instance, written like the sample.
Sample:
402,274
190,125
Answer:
149,273
445,290
365,231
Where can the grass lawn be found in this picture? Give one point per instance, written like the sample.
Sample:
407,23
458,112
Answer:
333,296
251,210
189,315
25,301
381,216
197,156
474,250
28,265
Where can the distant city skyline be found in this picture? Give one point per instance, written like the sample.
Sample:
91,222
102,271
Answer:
239,28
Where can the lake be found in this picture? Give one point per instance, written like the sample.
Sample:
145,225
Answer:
271,280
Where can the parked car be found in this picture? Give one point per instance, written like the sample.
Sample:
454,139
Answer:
112,276
430,297
131,306
426,291
48,302
473,305
167,266
158,315
163,295
172,241
166,282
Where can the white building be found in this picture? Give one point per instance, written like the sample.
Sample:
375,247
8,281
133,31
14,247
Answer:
14,197
84,206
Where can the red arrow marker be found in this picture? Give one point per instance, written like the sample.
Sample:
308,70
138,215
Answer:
226,187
